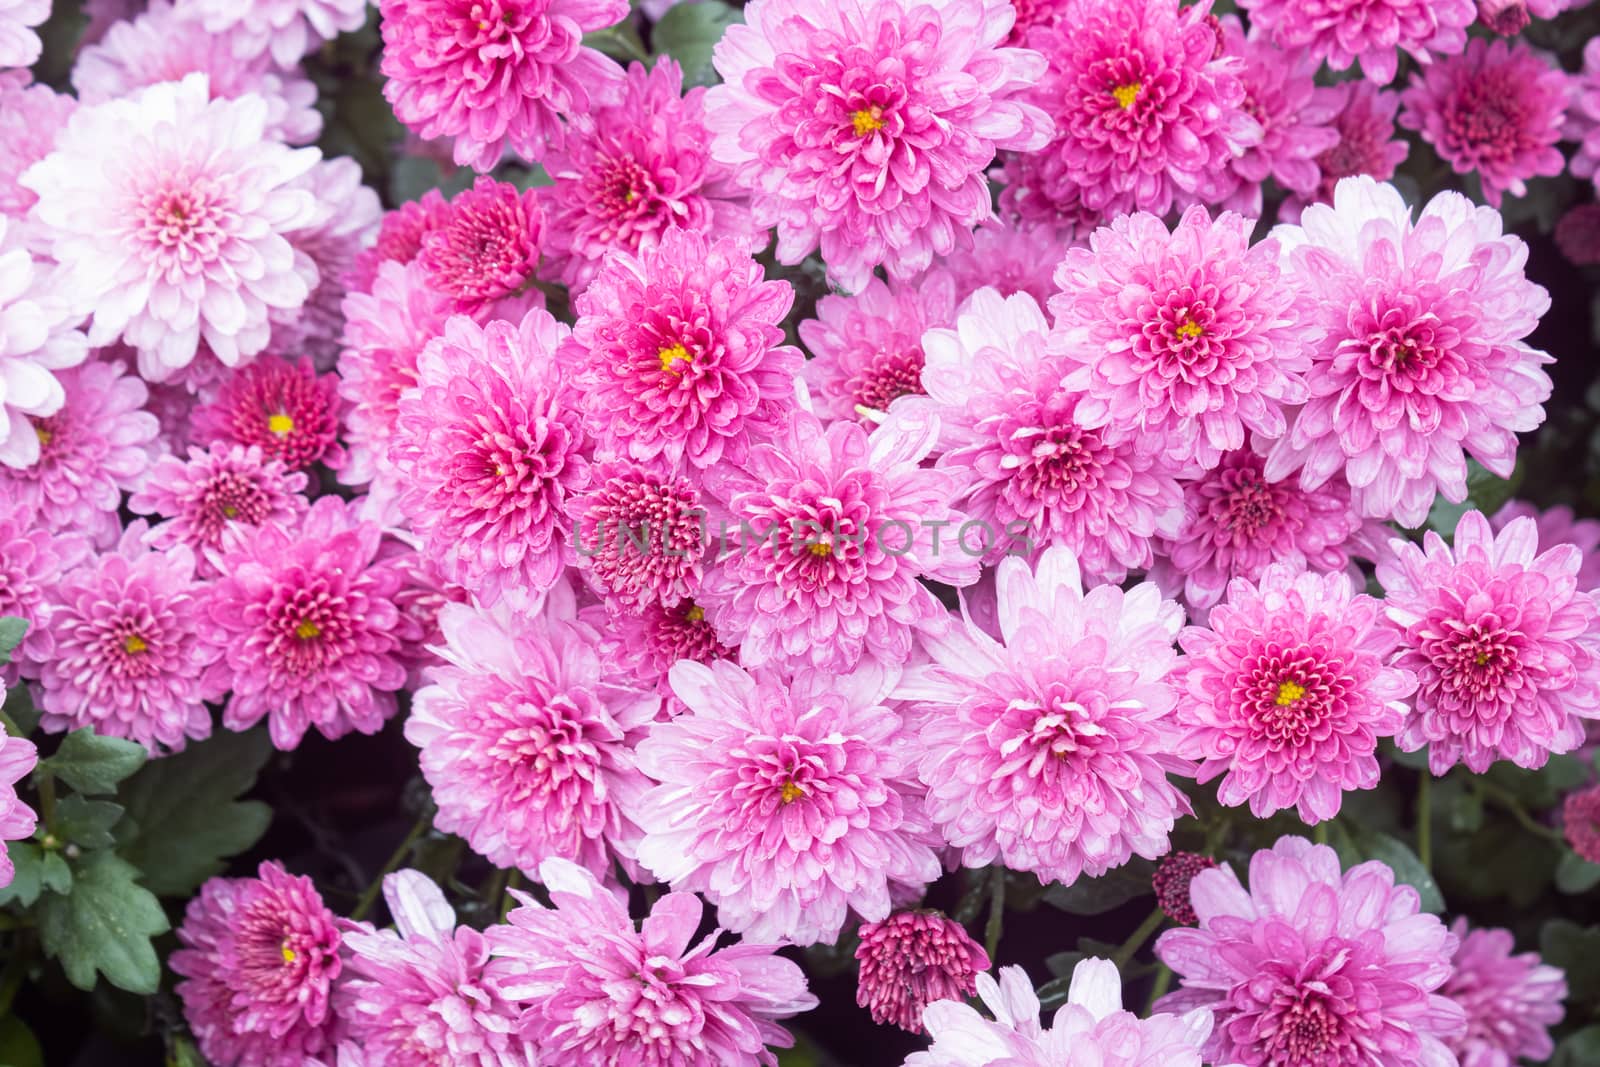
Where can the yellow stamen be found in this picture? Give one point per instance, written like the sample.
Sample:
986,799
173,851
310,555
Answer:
671,356
307,630
1126,94
288,953
230,511
791,793
1288,693
867,120
820,548
133,644
695,613
280,424
1481,659
45,436
629,197
1190,329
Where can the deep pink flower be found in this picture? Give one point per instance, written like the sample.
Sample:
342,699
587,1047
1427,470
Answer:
1578,235
19,43
1583,124
38,336
305,614
31,117
1373,32
912,959
788,805
1035,193
1287,692
1367,143
1422,357
599,991
1193,337
259,959
1497,110
347,218
1010,256
1148,109
1505,17
285,409
644,645
1580,822
1314,968
17,821
527,740
495,74
1505,645
487,248
285,29
641,533
1171,881
865,129
489,448
399,238
1559,526
32,561
1510,1001
1048,749
681,353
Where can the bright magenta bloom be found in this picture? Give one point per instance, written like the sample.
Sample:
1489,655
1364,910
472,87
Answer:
486,249
284,29
18,757
788,805
645,645
1497,110
1580,822
259,959
1288,691
641,533
399,239
865,129
32,561
1584,121
285,409
496,74
1505,645
1367,143
1372,32
1510,1001
1422,359
37,338
1312,967
912,959
598,990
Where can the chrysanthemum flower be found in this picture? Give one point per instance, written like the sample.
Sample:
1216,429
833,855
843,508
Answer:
223,487
495,74
635,168
307,619
17,821
1048,749
1010,255
400,234
640,533
1035,193
19,43
644,645
1092,1024
488,447
32,561
1497,110
421,993
1422,357
31,116
1367,143
285,29
1510,1001
867,349
787,805
259,959
285,409
1148,110
681,350
348,214
527,739
600,991
487,248
1505,17
161,45
99,444
1578,235
1193,337
1288,690
1584,117
1311,967
866,128
1373,32
1559,526
37,337
1580,822
184,237
1029,468
912,959
1171,881
1505,645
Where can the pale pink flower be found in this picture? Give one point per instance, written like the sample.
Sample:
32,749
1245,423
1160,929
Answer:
31,118
19,43
1559,526
347,219
1373,32
18,757
32,561
284,29
1010,255
1511,1001
1367,142
1583,124
38,336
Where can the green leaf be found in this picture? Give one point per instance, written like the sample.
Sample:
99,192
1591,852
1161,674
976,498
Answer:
20,710
12,630
93,764
54,874
1581,1049
18,1046
26,882
1096,896
86,822
620,42
1486,492
105,926
689,32
1574,874
1053,994
1061,964
1356,844
183,815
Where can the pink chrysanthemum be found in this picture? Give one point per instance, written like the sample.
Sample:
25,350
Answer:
185,237
847,125
1578,235
1559,526
162,46
487,249
1193,337
1584,118
867,348
19,43
259,959
1287,692
422,994
835,529
32,561
1029,468
1236,523
495,74
1422,357
17,821
640,532
399,239
1367,143
681,352
786,805
1048,749
1373,32
285,409
1497,110
644,645
1314,968
99,444
285,29
348,214
1171,881
31,117
600,991
307,619
1034,192
1505,646
226,486
1092,1026
527,740
1148,109
1580,822
1510,1001
1011,256
912,959
489,448
636,168
1505,17
37,337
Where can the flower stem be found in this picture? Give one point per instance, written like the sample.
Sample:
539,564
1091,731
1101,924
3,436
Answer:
1512,806
370,895
1425,820
1158,990
1136,940
508,901
1319,833
997,912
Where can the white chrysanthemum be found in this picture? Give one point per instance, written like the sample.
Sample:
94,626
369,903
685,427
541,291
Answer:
19,44
287,29
37,336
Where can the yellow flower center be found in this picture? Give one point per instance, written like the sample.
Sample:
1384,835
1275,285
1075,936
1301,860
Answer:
1126,94
45,436
230,511
1288,693
820,548
133,644
1481,659
1190,329
307,630
695,613
791,793
280,424
671,356
287,952
867,120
